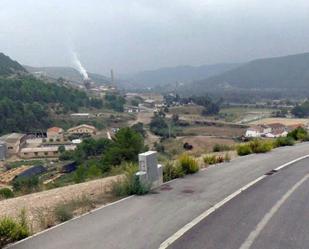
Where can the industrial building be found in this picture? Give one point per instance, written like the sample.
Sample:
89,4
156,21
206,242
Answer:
41,152
14,142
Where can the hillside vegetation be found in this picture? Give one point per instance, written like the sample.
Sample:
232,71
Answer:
288,72
26,103
8,66
181,74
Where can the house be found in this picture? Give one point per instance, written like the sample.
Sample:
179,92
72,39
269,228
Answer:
14,142
43,152
83,129
257,131
55,134
277,130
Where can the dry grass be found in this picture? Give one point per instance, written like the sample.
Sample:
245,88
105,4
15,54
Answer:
201,144
186,110
40,206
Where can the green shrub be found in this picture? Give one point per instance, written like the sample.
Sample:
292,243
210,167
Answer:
171,171
80,174
298,134
11,230
188,164
26,185
63,212
260,146
244,149
130,184
210,159
93,171
213,159
6,193
284,141
221,147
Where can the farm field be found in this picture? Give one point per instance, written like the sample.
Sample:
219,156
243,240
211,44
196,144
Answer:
244,114
218,131
201,144
285,121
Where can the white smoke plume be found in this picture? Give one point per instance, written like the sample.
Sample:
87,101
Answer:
79,66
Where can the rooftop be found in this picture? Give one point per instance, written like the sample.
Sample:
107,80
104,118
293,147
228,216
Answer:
55,129
46,149
82,126
12,137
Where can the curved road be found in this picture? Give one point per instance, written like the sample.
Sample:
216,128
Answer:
273,214
144,222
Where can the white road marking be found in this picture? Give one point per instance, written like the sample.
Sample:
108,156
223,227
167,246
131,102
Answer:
289,163
209,211
260,226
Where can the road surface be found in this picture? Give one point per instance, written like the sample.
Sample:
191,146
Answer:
273,214
142,222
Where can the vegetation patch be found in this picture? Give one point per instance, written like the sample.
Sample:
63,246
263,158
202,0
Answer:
13,230
130,183
65,211
221,147
188,164
299,134
6,193
215,159
284,141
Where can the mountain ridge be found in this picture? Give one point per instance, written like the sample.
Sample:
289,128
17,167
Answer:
266,73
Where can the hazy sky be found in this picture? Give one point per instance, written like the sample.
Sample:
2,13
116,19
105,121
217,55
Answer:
131,35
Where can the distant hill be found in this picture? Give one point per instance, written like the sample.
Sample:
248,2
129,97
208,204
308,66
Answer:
181,74
67,73
9,67
280,73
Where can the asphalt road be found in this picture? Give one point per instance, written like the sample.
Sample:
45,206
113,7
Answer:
272,214
144,222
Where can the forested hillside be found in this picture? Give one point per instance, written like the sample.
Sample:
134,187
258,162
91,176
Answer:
288,72
8,66
25,103
181,74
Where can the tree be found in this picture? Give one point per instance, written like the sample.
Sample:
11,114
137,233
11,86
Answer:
158,126
126,147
